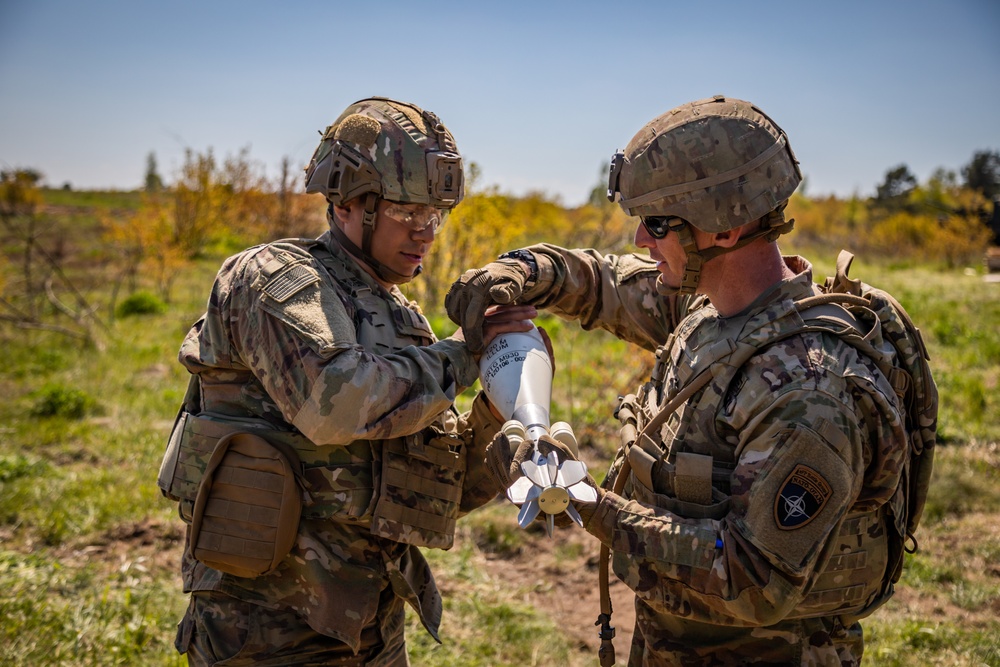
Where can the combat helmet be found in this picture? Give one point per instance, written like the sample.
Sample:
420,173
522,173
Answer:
380,148
714,164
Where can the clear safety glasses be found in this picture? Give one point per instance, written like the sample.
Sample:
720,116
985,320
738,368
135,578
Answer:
417,217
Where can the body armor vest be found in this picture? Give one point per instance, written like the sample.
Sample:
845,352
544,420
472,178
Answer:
404,489
686,467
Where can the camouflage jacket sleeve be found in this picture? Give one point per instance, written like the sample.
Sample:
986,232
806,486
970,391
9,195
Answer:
298,339
806,455
480,425
613,292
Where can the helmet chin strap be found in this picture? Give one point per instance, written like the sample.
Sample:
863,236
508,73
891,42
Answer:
364,253
772,226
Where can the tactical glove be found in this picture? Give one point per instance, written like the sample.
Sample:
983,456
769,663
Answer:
504,465
500,282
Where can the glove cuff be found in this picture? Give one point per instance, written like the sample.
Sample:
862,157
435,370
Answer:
545,278
601,523
528,258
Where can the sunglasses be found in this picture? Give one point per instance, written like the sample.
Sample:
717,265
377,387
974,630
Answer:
658,226
418,218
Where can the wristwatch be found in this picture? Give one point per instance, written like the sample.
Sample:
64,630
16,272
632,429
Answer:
528,258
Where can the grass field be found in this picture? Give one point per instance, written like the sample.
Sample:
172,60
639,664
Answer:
89,549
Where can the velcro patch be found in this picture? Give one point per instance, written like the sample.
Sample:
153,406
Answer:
358,129
798,499
290,281
803,495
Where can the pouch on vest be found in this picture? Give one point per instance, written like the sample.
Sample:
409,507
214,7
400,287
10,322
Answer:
172,454
246,514
421,489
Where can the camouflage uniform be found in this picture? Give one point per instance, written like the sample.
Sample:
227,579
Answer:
789,546
298,337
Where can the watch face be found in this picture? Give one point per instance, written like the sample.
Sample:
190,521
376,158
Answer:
528,258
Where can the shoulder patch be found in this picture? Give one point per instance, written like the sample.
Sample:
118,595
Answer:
289,281
803,495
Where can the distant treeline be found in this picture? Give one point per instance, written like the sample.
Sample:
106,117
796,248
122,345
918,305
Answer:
945,220
143,240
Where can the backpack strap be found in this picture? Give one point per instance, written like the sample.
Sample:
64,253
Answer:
635,454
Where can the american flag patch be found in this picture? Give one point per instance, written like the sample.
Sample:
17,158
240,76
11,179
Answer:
290,281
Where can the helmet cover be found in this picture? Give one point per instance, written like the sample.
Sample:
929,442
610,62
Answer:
395,150
717,163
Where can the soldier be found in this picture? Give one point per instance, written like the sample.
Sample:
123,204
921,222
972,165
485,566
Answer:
308,348
757,515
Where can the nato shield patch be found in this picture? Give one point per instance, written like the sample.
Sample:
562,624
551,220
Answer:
803,495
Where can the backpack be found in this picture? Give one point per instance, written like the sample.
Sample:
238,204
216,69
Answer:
908,372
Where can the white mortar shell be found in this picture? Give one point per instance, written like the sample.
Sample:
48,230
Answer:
516,374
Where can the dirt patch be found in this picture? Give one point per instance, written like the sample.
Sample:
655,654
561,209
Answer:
561,577
148,545
561,580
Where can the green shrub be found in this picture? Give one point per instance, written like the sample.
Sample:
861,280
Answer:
141,303
62,401
13,467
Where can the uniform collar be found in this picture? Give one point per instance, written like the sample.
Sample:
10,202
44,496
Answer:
352,263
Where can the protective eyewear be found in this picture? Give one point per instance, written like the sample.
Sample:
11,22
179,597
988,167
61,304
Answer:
418,218
659,226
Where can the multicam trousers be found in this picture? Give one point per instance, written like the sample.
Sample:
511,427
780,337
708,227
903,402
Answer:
221,630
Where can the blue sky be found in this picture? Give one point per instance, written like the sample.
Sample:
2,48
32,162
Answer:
539,94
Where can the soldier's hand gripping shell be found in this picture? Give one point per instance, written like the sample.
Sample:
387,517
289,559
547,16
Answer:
500,282
504,465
